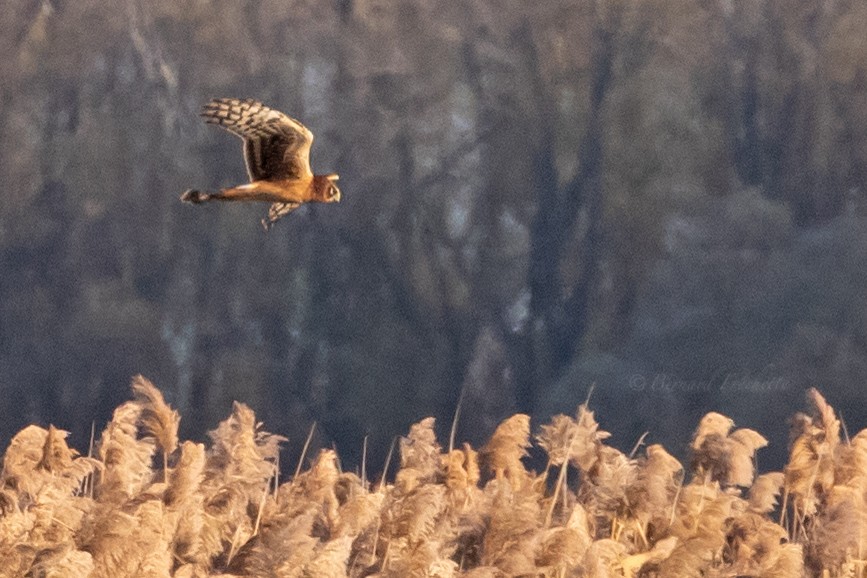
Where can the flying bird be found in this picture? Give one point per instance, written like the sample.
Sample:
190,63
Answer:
277,155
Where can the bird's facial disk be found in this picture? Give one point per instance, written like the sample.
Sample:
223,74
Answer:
333,193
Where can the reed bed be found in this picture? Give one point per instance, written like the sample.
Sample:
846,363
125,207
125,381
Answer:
146,504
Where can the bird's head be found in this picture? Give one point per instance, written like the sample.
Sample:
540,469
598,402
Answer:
329,191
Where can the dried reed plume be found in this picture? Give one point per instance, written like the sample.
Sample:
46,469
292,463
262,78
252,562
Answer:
149,506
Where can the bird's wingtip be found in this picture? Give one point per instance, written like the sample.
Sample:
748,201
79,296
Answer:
192,196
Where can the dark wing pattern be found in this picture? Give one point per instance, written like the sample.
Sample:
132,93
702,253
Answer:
276,146
277,211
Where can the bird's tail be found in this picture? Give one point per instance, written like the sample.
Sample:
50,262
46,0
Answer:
195,197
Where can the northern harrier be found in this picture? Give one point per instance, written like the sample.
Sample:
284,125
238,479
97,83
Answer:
277,154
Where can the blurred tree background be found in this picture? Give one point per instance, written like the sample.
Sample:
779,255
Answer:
664,198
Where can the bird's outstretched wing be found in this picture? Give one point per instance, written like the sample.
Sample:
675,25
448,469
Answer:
276,146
